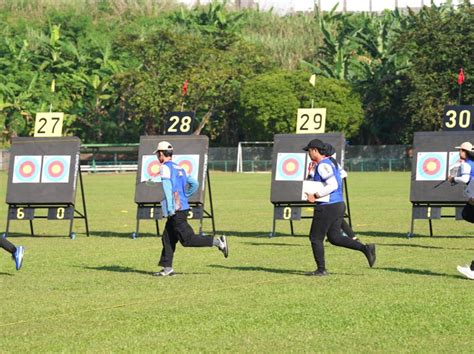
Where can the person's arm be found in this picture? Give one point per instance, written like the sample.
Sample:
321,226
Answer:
193,185
465,174
327,175
167,190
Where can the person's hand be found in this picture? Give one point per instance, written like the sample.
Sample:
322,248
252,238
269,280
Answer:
311,197
471,201
450,179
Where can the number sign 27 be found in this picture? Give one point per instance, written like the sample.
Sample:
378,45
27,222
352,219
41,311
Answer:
311,120
49,124
179,123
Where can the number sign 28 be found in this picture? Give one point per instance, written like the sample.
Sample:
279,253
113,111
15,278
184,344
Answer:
458,118
49,124
311,120
179,123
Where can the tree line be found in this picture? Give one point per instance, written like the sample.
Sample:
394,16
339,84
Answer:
116,68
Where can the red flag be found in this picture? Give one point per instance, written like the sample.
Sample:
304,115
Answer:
461,77
185,87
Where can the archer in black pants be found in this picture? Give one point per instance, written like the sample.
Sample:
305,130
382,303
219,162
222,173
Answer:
327,220
178,229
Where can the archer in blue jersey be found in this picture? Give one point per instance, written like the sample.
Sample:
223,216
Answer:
177,188
329,213
466,176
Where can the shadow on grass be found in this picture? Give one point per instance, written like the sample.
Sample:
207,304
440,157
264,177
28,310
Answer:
9,274
404,235
120,234
119,269
273,244
273,270
18,235
420,272
258,234
423,246
122,269
259,269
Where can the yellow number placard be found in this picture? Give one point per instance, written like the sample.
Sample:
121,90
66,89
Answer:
311,121
49,124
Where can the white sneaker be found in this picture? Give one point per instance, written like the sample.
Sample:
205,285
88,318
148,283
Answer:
466,270
224,247
165,272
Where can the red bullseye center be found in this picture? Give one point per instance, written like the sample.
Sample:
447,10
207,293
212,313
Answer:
27,169
55,169
290,166
188,167
153,169
431,166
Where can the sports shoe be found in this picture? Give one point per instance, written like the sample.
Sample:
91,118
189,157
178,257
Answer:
18,256
318,273
466,270
370,254
165,272
224,247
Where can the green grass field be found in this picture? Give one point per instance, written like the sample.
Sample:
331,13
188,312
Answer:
97,294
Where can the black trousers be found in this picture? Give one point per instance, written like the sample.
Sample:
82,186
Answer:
178,229
468,213
7,245
327,221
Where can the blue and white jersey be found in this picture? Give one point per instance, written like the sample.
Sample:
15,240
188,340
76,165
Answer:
466,172
328,173
177,187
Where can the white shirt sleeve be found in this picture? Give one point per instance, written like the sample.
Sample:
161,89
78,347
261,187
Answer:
326,173
165,172
465,174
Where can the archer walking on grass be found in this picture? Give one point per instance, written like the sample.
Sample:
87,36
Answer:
177,188
329,214
465,176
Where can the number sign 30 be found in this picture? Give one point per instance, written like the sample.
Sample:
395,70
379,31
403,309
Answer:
311,120
179,123
49,124
458,118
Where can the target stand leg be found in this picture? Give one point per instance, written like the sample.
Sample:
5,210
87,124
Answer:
431,227
157,228
31,228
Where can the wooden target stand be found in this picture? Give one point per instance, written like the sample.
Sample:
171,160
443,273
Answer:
292,211
178,124
153,211
49,125
66,211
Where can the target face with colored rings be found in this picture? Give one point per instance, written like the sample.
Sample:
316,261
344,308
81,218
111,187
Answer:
290,166
431,166
56,169
27,169
150,171
190,163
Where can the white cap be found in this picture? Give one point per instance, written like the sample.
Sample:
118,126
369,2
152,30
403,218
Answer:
465,146
163,146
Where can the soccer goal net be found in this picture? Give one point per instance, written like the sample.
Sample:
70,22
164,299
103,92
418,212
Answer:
254,156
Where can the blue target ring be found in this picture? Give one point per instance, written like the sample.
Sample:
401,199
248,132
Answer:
56,169
290,167
27,169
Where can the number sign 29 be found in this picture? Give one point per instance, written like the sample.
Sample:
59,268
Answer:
49,124
179,123
311,120
458,118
